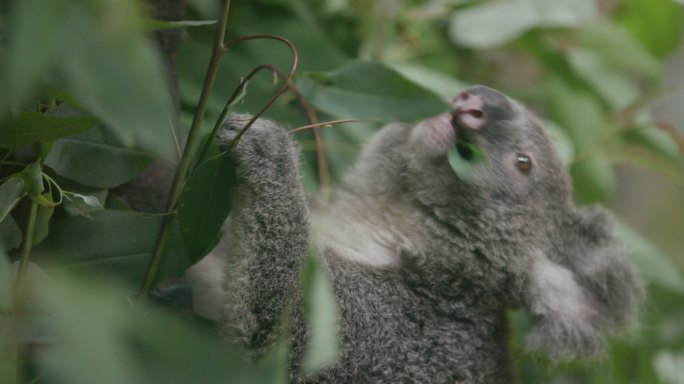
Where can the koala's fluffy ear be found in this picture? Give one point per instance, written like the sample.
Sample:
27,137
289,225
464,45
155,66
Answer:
581,287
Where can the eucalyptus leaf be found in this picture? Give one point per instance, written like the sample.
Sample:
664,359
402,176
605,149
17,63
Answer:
594,180
205,203
321,311
466,161
96,158
10,234
495,23
99,334
6,279
657,24
440,83
33,40
561,141
29,329
492,24
655,266
657,141
33,127
366,90
118,243
645,158
577,111
618,48
116,74
11,191
616,88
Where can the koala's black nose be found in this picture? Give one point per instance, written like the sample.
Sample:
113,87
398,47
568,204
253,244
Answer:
479,105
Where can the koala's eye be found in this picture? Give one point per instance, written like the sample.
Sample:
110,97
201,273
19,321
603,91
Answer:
523,162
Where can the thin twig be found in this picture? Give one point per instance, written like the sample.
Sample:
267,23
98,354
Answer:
328,124
237,92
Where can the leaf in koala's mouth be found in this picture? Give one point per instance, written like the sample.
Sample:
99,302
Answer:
466,159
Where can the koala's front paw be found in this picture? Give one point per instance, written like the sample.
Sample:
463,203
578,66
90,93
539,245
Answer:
264,142
265,152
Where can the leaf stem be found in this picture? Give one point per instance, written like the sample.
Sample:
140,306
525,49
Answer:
186,159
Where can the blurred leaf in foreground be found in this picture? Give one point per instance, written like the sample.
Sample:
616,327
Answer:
321,311
367,90
112,243
204,205
650,261
106,340
495,23
96,51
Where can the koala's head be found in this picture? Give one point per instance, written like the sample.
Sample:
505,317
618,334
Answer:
489,176
488,149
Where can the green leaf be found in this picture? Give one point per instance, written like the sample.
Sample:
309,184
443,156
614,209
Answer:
658,141
468,168
618,49
492,24
321,311
118,243
616,88
438,82
10,234
204,205
95,158
561,141
25,329
650,261
6,279
106,341
642,157
576,111
594,180
33,40
496,23
32,127
155,25
366,90
11,191
115,73
657,24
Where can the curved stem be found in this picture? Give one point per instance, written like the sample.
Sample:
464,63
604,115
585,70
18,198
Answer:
231,101
321,161
281,90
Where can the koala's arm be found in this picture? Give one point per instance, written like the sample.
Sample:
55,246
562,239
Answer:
269,229
581,289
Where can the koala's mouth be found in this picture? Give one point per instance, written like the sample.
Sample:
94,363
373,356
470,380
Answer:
466,159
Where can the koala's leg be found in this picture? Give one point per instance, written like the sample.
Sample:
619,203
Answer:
268,232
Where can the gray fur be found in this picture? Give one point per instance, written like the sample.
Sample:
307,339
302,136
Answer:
444,259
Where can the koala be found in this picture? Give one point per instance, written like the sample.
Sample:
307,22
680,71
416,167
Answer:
424,263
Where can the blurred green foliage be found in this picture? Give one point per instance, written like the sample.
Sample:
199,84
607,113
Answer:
84,108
